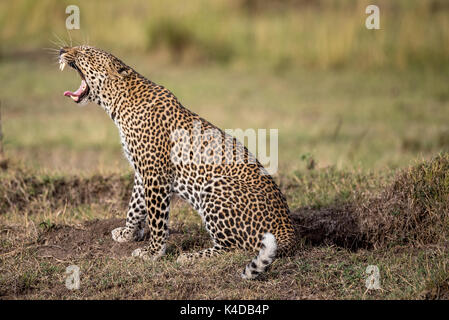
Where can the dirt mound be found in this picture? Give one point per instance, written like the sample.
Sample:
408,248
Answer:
414,209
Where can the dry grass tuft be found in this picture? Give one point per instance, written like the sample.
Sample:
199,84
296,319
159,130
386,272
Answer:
22,190
413,209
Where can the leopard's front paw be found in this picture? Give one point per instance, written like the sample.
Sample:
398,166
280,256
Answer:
147,254
122,234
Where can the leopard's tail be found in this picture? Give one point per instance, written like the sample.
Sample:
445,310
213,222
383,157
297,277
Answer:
265,257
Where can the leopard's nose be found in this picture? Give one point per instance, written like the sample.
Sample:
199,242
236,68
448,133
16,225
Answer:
64,50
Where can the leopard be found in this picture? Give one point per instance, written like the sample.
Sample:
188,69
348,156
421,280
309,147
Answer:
175,152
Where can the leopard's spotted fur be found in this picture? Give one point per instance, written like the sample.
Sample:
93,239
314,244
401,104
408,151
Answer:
240,204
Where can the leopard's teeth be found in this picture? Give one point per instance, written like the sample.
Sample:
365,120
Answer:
62,66
75,98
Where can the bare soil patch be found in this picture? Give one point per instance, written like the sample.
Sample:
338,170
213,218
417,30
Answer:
93,239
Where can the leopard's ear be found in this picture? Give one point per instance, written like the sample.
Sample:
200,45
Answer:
124,71
121,72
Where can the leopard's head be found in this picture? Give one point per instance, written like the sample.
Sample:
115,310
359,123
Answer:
103,76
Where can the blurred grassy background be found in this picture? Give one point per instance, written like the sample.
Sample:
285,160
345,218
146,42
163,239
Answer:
276,33
339,94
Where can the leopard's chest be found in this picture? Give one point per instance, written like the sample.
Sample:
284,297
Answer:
126,150
125,145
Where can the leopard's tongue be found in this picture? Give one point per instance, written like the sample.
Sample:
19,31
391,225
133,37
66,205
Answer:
78,92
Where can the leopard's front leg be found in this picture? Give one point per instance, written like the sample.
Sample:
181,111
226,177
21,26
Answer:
135,220
157,198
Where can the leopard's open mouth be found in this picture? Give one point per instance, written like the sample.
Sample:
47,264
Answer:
83,90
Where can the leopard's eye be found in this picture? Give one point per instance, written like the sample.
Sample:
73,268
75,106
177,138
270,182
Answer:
122,69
